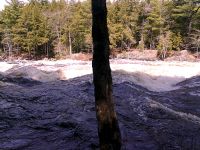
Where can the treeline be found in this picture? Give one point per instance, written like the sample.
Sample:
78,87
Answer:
43,28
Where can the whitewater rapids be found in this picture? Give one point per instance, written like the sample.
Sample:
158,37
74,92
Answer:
153,75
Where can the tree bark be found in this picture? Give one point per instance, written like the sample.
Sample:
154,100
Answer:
70,44
108,128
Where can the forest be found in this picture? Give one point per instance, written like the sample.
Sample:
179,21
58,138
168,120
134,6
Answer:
43,28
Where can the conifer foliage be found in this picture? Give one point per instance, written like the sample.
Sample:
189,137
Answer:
44,28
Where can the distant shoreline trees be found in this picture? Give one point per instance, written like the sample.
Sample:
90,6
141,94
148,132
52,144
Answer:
42,28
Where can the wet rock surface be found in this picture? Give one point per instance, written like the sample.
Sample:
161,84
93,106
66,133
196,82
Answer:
60,115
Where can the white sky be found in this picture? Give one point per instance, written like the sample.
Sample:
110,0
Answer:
3,3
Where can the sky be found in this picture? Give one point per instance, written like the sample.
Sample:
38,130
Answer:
3,3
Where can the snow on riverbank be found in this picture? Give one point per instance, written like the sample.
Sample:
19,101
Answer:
154,75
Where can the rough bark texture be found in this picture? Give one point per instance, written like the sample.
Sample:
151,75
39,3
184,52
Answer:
108,129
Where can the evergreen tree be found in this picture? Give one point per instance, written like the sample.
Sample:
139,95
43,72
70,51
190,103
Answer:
186,15
30,30
80,26
45,28
8,20
122,20
154,24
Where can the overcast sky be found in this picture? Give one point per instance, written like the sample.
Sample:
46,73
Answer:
3,3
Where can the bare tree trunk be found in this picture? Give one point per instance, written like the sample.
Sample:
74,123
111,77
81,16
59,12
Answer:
9,50
70,44
47,49
17,49
108,128
59,42
29,52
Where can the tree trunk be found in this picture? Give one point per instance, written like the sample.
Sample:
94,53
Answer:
70,44
108,128
9,50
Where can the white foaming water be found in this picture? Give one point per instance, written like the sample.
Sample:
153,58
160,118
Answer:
154,75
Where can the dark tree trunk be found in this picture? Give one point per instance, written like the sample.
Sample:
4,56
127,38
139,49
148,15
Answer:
108,129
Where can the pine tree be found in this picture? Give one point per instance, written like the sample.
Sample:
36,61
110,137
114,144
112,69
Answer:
122,20
9,18
186,15
31,29
80,26
154,24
